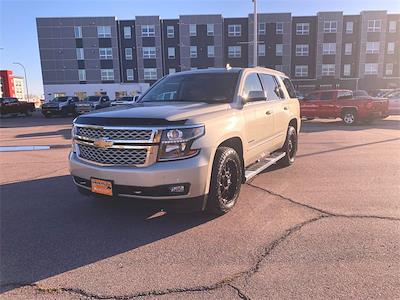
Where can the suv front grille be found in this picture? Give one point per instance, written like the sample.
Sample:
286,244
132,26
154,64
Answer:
113,156
115,134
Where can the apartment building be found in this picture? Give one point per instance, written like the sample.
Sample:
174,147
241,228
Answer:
93,55
19,88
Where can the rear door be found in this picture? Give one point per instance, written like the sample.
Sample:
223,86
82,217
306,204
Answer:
326,104
309,105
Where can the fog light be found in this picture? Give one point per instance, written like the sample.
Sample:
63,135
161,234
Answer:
177,189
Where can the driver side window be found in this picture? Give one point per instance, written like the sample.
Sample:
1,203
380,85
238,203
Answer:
252,83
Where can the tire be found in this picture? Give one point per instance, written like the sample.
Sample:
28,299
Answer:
349,117
290,148
226,181
64,113
28,113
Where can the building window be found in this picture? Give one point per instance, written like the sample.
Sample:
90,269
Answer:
107,74
349,27
235,30
328,48
192,29
82,75
148,30
302,50
129,74
171,52
301,70
104,31
80,54
210,29
234,51
193,51
390,48
278,49
371,69
348,48
279,28
302,28
372,48
105,53
389,69
78,32
330,26
374,25
127,32
262,29
149,52
171,70
261,50
150,74
170,32
346,70
210,51
328,69
279,68
392,26
128,54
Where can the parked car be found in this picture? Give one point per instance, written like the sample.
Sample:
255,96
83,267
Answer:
216,129
92,103
10,105
62,106
124,100
394,102
331,104
380,93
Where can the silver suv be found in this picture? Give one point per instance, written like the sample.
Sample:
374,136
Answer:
194,137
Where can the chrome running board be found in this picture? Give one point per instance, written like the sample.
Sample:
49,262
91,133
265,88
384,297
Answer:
261,165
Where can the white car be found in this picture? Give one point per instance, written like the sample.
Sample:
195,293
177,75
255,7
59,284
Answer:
394,102
125,100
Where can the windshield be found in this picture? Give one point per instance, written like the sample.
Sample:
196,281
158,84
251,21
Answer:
126,98
200,87
92,98
60,99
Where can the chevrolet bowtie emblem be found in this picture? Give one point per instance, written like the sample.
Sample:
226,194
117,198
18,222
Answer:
103,143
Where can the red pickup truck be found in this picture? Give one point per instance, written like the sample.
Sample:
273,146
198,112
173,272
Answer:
10,105
331,104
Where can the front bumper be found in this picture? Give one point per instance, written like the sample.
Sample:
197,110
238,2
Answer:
146,182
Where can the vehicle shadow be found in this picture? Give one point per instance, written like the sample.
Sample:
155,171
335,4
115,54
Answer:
37,119
321,126
65,133
48,228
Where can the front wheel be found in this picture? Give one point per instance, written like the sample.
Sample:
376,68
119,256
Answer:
226,181
290,148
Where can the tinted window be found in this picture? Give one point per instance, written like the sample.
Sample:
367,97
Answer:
289,87
195,87
312,96
270,86
93,98
327,95
9,100
60,99
252,83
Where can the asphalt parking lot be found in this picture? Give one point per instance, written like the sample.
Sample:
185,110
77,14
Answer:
327,227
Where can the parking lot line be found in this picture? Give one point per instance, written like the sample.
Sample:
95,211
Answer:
23,148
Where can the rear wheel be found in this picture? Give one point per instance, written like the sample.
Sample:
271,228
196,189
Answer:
226,181
349,117
290,148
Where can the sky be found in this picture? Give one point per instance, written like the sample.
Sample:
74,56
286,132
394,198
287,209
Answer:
18,36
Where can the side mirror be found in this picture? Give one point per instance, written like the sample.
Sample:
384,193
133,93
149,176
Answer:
255,96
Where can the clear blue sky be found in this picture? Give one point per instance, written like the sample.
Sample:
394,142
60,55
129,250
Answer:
18,39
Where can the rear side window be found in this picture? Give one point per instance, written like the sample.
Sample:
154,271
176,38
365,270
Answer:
252,83
289,87
327,95
270,86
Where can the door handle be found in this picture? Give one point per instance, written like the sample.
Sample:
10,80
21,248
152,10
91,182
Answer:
285,108
268,112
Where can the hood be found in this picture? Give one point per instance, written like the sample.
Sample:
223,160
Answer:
156,113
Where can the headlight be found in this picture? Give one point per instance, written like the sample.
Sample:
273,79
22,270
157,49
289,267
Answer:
176,143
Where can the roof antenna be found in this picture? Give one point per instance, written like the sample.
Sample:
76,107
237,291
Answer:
228,66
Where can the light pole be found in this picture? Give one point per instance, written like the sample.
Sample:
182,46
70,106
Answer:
26,79
255,29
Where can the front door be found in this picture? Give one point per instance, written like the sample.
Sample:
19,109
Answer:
327,104
309,105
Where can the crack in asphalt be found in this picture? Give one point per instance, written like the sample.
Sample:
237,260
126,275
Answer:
322,211
225,282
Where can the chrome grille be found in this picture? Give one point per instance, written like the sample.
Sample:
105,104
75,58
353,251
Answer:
115,134
113,156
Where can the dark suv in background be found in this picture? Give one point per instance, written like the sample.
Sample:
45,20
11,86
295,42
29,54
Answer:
62,106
